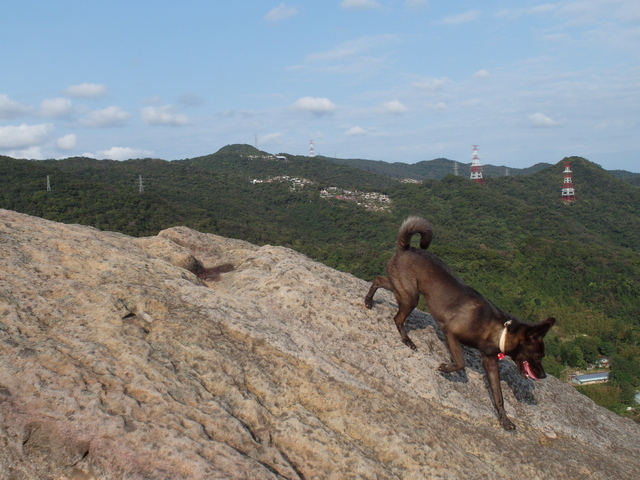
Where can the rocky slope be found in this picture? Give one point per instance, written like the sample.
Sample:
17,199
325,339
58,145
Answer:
117,362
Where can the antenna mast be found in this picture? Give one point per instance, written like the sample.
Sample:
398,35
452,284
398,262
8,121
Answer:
312,150
48,184
140,184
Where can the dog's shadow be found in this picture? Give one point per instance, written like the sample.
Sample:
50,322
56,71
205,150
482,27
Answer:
522,388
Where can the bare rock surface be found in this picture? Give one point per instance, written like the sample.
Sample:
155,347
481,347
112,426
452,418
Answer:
117,362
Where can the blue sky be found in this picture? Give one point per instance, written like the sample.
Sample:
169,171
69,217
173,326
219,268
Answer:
392,80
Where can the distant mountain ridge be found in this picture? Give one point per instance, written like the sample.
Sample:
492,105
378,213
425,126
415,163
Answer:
439,168
435,169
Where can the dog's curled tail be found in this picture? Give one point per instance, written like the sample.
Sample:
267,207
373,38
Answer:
409,228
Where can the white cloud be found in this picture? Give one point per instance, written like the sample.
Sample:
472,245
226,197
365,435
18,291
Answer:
612,23
24,136
460,18
112,116
281,12
164,115
360,4
543,9
315,105
595,11
124,153
395,107
515,13
482,74
556,38
363,56
86,90
540,120
431,84
269,138
56,108
191,99
67,142
154,100
353,48
12,109
31,153
415,4
439,106
356,131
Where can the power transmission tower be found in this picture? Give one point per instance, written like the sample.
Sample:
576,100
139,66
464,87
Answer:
476,168
568,193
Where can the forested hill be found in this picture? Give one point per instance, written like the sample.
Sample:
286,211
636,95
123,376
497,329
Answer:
247,160
511,237
439,168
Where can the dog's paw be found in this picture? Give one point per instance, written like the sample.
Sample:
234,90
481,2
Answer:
449,367
368,302
409,343
507,424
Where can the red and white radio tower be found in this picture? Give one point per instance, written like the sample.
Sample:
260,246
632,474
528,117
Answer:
476,168
568,194
312,151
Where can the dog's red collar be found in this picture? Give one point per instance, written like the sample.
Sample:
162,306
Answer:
503,339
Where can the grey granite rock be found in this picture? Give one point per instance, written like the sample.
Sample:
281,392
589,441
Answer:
117,362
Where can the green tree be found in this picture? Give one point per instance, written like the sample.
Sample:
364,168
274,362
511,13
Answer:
624,370
590,347
573,356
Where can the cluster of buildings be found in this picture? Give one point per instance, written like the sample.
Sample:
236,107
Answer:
373,201
295,182
590,378
267,157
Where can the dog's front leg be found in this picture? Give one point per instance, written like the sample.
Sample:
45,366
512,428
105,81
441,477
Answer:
457,357
490,364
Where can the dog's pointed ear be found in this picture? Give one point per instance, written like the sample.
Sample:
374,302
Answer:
541,329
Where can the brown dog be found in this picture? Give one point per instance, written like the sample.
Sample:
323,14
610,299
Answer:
464,315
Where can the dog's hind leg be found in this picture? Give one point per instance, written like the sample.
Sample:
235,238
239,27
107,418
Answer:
457,357
379,282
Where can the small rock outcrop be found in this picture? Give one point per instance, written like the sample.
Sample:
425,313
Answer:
118,362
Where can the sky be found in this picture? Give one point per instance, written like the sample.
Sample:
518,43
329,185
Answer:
392,80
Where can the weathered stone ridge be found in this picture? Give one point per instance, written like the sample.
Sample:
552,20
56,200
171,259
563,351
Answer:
117,362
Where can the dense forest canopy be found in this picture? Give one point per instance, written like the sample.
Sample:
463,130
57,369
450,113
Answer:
511,237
